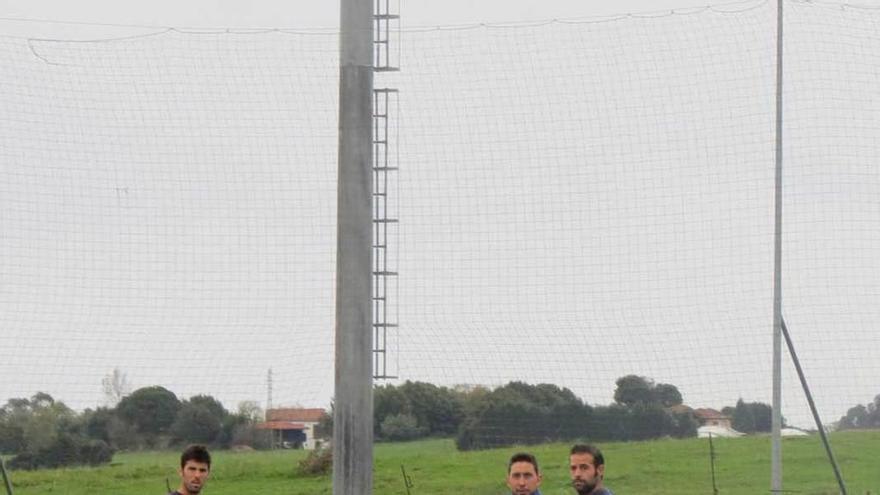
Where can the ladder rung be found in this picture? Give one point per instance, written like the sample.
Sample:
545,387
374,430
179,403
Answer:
386,16
386,274
386,69
385,220
385,169
384,325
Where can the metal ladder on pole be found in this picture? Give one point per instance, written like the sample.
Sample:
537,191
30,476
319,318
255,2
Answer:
385,168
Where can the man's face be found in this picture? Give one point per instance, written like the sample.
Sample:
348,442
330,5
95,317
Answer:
194,475
584,474
522,479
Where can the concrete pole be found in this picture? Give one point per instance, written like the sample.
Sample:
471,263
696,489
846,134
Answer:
776,423
353,410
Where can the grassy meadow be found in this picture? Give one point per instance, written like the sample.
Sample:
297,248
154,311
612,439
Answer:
661,467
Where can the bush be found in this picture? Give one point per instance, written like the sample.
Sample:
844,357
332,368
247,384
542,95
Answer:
318,462
95,453
248,434
196,423
124,436
519,413
66,450
401,427
25,461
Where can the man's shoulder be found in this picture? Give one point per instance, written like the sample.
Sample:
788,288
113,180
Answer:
175,492
604,491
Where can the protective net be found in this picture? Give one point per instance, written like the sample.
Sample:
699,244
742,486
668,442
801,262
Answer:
169,210
578,201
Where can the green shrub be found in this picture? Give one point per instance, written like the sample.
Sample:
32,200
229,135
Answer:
401,427
66,450
318,462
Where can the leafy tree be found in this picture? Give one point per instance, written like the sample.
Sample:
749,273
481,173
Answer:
66,450
125,436
33,424
667,395
862,416
750,417
324,428
250,411
401,427
856,417
763,414
647,421
873,419
151,410
610,423
43,432
211,404
97,423
743,418
437,410
196,423
633,389
11,436
683,425
388,400
519,413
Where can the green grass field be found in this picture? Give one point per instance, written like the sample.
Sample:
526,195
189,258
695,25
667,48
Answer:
657,468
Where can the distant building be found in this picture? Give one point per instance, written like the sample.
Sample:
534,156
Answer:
711,417
717,431
293,428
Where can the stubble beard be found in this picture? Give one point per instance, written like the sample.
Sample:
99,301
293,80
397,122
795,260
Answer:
584,487
193,489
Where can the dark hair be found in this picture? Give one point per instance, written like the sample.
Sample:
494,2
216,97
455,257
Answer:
582,448
197,453
523,457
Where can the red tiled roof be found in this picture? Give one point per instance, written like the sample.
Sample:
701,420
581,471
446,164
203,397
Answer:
680,409
707,413
280,425
295,414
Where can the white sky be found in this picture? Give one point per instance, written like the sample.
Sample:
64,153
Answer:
302,13
324,14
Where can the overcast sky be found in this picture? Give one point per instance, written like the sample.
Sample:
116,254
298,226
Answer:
321,14
627,278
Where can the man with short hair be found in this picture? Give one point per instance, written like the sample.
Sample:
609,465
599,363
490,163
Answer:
587,466
195,468
523,475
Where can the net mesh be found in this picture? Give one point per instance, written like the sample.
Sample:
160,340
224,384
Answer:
168,207
578,201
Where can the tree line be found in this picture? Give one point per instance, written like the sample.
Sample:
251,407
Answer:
861,416
521,413
42,432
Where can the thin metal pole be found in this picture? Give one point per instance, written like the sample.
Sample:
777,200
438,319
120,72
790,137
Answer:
776,423
712,464
6,480
353,411
803,378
